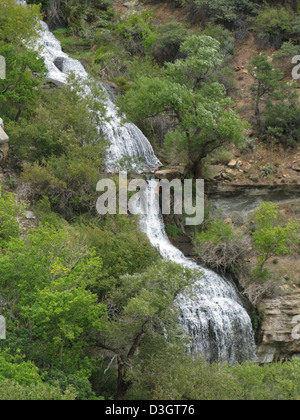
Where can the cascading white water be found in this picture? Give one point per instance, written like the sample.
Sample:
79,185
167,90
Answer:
214,316
220,326
126,140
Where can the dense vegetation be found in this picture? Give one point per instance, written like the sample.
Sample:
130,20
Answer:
89,304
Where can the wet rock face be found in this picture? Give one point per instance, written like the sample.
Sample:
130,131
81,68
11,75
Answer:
280,332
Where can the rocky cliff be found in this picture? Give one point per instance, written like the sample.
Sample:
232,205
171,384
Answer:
279,334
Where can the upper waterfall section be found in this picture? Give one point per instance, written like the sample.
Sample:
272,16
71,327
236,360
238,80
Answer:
126,141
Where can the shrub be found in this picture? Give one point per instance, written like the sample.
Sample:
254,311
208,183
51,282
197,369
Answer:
168,40
65,180
58,125
275,24
137,33
221,248
226,12
77,13
12,391
270,238
10,210
282,116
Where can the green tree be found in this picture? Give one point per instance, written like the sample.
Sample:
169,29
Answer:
282,116
24,73
270,238
10,210
205,119
46,281
141,309
18,24
267,81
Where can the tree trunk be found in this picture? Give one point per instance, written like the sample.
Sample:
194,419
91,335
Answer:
18,113
123,385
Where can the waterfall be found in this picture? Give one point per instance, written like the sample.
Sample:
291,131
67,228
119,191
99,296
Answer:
126,140
216,319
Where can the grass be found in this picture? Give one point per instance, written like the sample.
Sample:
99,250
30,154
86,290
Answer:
75,46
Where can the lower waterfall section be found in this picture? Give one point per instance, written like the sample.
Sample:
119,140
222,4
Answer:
215,318
219,325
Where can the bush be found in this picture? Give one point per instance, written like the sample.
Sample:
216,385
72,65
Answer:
275,25
71,189
58,125
12,391
221,248
224,37
10,210
77,13
137,33
283,57
168,40
119,259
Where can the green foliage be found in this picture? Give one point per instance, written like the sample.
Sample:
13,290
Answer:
272,382
123,249
24,72
80,16
16,369
277,24
221,247
168,40
143,309
62,140
24,28
74,381
217,231
10,210
267,79
171,374
12,391
173,231
58,126
202,108
280,118
45,281
223,36
203,55
282,121
70,188
21,380
225,12
288,50
137,33
270,238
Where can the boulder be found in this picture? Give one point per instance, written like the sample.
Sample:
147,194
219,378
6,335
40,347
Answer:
59,63
170,174
233,163
30,215
296,166
4,139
